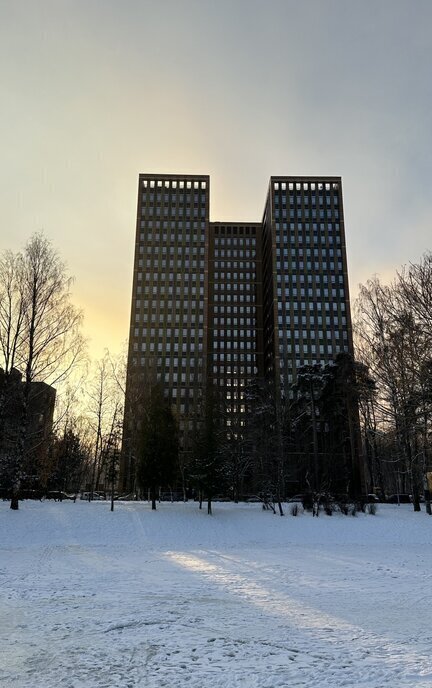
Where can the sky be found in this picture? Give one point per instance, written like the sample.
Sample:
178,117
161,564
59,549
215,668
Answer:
94,92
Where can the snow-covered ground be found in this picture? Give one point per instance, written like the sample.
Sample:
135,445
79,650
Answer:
90,598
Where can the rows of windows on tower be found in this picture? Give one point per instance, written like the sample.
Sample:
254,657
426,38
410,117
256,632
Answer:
226,303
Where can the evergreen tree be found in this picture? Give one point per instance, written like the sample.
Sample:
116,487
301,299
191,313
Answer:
207,469
70,457
158,451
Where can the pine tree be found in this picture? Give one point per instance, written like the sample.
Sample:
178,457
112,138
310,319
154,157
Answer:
158,451
207,469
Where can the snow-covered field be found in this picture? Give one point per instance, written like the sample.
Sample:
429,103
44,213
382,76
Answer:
90,598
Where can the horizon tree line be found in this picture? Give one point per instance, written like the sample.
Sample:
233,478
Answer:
306,441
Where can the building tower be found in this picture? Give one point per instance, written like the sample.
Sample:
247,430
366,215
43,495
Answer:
235,330
226,304
167,337
306,295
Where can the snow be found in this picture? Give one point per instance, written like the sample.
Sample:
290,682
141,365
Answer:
90,598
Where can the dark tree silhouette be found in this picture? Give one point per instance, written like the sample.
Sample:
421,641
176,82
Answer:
158,451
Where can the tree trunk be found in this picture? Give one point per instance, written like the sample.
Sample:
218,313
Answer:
14,500
415,491
414,475
20,448
112,492
153,498
209,505
314,438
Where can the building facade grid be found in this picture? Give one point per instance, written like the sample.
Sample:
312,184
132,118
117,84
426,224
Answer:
226,303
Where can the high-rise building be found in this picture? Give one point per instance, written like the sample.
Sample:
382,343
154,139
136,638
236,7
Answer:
306,295
223,304
235,329
168,331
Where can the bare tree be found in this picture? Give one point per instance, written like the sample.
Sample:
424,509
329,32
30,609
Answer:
105,402
394,339
52,341
39,327
415,286
12,308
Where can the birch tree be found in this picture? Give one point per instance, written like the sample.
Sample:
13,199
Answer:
40,328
